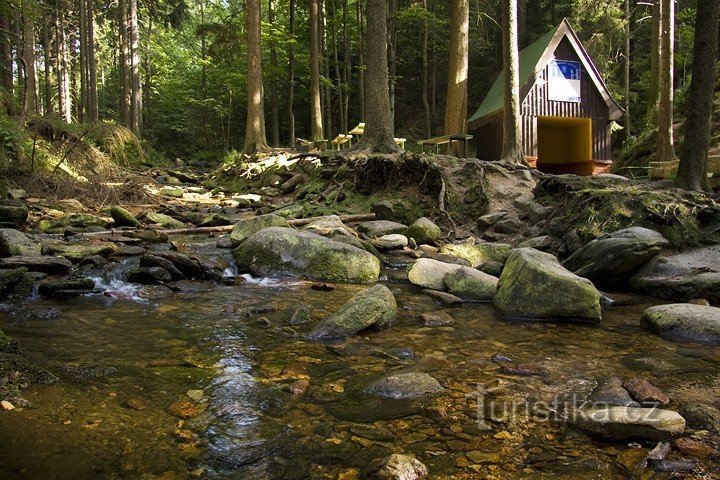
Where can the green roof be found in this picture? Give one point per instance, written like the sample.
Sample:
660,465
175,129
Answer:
529,59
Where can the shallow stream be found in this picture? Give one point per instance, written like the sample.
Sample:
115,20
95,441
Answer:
208,353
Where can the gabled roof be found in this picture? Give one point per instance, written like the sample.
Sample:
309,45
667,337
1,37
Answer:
533,60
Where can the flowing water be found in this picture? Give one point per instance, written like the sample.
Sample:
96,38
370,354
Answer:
224,355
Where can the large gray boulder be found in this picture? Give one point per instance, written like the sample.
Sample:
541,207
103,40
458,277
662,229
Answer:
534,286
423,230
373,307
430,273
249,226
405,386
617,255
14,242
379,228
286,252
471,284
619,423
685,322
479,253
683,276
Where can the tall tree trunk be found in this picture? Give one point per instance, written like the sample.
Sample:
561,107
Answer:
346,67
522,6
255,139
291,77
692,173
666,151
378,136
361,60
30,103
136,101
126,85
326,90
456,100
316,122
93,114
147,91
82,62
655,46
47,63
62,64
392,51
512,140
628,33
6,68
19,60
274,107
338,76
425,102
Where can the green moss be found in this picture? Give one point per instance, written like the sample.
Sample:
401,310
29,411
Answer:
4,341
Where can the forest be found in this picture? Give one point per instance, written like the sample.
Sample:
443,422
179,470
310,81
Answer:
359,239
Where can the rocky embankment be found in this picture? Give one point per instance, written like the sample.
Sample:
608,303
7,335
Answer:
59,250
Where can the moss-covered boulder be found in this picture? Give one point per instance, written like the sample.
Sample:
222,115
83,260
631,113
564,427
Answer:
75,252
471,284
149,235
479,253
174,192
286,252
215,220
429,273
84,220
122,217
617,255
12,214
62,289
165,221
685,322
15,284
373,307
534,286
38,263
249,226
14,242
423,231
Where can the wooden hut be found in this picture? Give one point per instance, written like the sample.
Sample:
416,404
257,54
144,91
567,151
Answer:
566,108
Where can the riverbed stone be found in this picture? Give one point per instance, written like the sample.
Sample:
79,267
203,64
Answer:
390,242
617,255
249,226
682,276
405,386
330,225
45,264
645,392
149,235
431,273
700,416
685,322
215,220
122,217
423,230
62,289
373,307
619,423
471,284
148,275
479,253
12,214
15,284
85,220
75,252
15,242
378,228
438,318
401,467
610,391
286,252
383,210
174,192
165,221
534,286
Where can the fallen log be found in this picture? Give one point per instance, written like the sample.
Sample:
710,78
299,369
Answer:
297,222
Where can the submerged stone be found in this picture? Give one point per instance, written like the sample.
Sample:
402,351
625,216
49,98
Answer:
405,386
619,423
535,286
285,252
401,467
373,307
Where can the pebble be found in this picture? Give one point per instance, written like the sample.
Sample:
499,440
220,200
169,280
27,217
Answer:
196,395
184,409
7,406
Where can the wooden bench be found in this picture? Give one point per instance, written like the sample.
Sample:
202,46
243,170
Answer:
663,169
359,130
342,139
400,142
447,140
